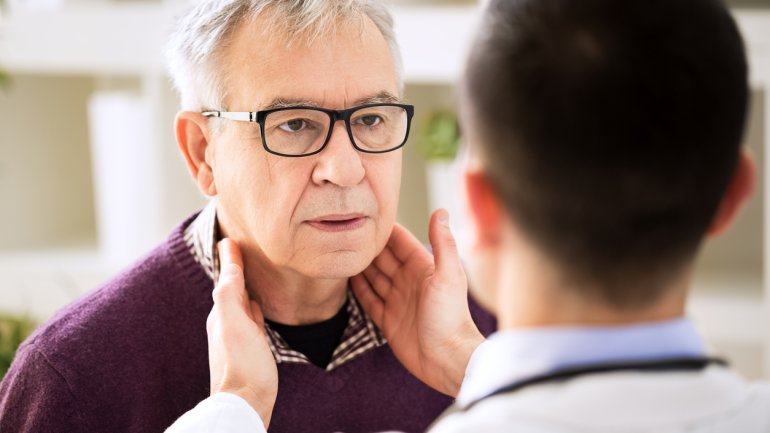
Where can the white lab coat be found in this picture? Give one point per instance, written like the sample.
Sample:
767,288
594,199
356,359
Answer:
715,400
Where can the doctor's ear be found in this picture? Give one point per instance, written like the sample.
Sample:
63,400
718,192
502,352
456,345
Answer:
193,137
738,192
484,208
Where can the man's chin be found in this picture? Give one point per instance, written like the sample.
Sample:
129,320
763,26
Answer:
339,264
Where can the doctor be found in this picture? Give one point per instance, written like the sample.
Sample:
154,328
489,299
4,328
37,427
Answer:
606,146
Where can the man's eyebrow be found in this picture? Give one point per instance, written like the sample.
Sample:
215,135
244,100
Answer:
289,103
380,98
383,97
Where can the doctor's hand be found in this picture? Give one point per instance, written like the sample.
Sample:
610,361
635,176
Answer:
240,359
420,303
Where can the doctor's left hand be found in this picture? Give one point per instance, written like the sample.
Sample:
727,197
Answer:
240,359
419,301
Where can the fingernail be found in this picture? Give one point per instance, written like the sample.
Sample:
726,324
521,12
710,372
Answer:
443,218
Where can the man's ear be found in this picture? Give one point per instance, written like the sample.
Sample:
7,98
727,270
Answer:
484,208
738,192
193,137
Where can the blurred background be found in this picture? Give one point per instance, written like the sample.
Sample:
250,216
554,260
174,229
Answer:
90,176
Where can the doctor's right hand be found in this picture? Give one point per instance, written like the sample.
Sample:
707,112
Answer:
240,359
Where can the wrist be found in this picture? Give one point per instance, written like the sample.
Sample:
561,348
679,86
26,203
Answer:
455,371
261,404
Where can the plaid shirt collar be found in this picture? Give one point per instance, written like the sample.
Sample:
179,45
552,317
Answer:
360,336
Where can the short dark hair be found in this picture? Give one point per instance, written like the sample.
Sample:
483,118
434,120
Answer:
610,130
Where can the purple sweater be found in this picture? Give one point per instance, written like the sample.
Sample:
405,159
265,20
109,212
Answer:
132,357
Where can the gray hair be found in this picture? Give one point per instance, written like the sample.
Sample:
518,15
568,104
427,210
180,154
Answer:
196,47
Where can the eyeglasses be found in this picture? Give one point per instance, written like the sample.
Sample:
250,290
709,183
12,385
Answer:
305,131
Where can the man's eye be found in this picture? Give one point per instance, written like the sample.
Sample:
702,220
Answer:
370,120
294,125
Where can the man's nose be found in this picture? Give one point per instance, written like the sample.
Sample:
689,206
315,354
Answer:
339,163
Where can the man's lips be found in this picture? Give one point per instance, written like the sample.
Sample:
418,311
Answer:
338,223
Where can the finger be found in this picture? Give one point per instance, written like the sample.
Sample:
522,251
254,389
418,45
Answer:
367,297
378,281
387,262
230,297
256,314
404,244
444,245
229,255
212,322
258,318
231,270
229,252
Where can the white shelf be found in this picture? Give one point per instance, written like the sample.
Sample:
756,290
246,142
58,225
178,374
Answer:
438,56
40,282
755,27
66,41
87,39
102,39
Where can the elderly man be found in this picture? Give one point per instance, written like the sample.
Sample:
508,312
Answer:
607,147
293,123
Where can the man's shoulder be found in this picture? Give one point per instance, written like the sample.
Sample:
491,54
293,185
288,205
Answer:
485,321
160,292
113,356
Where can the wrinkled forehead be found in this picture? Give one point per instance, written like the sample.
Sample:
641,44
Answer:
334,64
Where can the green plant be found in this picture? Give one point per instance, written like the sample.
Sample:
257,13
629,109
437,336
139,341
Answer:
13,331
440,138
5,79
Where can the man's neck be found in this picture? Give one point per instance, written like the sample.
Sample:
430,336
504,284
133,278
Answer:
531,295
290,298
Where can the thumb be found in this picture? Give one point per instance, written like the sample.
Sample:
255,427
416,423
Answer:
256,313
443,243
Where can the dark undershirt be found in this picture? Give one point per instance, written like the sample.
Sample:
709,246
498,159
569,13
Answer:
316,341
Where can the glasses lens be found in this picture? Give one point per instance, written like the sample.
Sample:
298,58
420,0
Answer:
296,131
379,128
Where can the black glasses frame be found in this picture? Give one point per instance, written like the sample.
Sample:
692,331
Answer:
334,116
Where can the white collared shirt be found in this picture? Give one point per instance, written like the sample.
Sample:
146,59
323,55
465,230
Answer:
714,399
515,355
